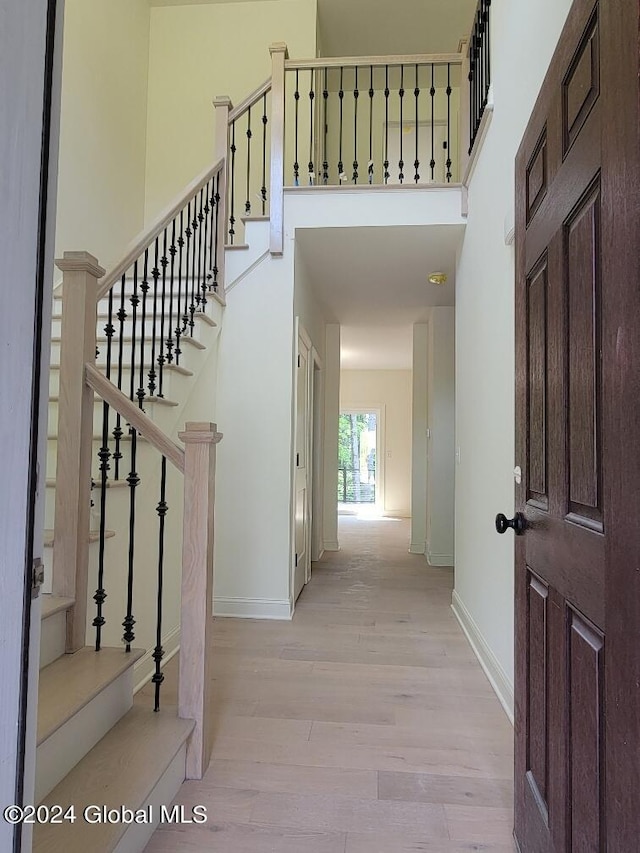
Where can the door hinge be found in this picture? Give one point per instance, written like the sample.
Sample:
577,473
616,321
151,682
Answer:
37,577
298,361
296,561
297,460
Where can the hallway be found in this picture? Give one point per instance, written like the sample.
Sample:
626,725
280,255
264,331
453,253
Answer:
364,726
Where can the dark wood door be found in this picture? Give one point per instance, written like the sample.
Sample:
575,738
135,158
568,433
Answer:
578,423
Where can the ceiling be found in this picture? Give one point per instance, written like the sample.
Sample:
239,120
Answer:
374,282
378,27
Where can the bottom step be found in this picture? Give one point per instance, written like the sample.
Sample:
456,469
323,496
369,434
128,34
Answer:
139,764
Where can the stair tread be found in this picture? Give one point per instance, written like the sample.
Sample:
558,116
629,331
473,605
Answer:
261,218
161,401
121,769
128,339
102,315
172,368
233,246
72,681
94,536
52,604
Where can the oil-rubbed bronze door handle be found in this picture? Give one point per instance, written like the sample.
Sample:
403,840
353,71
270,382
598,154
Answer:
518,523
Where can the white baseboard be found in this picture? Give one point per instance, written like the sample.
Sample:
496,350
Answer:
145,667
253,608
418,548
498,678
439,559
332,545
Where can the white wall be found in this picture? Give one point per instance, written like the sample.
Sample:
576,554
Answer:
523,39
103,126
441,444
389,391
419,440
200,51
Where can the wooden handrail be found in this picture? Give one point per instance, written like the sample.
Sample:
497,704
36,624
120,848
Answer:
252,99
134,415
143,241
376,61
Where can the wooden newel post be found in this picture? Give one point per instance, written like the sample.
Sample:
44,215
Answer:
195,685
279,54
81,272
223,106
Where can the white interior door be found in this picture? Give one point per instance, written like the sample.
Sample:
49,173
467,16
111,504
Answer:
302,557
428,135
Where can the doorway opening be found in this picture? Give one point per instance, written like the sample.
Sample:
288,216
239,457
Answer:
359,481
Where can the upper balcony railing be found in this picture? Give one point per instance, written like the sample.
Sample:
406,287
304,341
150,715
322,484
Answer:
479,60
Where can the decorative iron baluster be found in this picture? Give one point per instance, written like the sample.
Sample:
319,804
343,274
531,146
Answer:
209,196
164,262
179,317
197,228
134,299
312,96
117,431
172,252
386,125
341,175
263,188
356,95
471,99
158,652
132,481
371,94
144,287
296,165
416,93
325,162
247,204
155,274
432,92
487,49
215,250
401,95
104,454
232,218
194,266
449,175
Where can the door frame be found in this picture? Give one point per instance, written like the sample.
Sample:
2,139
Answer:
379,410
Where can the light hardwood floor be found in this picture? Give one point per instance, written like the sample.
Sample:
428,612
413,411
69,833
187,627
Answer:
364,726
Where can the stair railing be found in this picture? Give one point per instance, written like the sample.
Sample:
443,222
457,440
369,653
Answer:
151,296
351,121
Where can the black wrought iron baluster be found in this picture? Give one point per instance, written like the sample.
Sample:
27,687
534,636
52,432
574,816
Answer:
263,188
341,175
144,287
371,94
179,306
416,93
487,48
247,204
232,218
201,281
209,196
449,161
356,95
401,96
481,57
312,95
132,481
471,106
432,92
117,431
104,454
172,251
325,162
135,301
215,250
155,274
386,174
158,652
194,266
164,262
296,165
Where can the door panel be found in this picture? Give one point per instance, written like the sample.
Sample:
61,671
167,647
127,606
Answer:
302,533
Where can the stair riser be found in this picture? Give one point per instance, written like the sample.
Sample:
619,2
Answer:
56,756
53,637
188,355
146,455
56,327
162,415
174,384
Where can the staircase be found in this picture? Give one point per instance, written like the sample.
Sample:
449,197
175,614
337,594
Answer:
97,742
